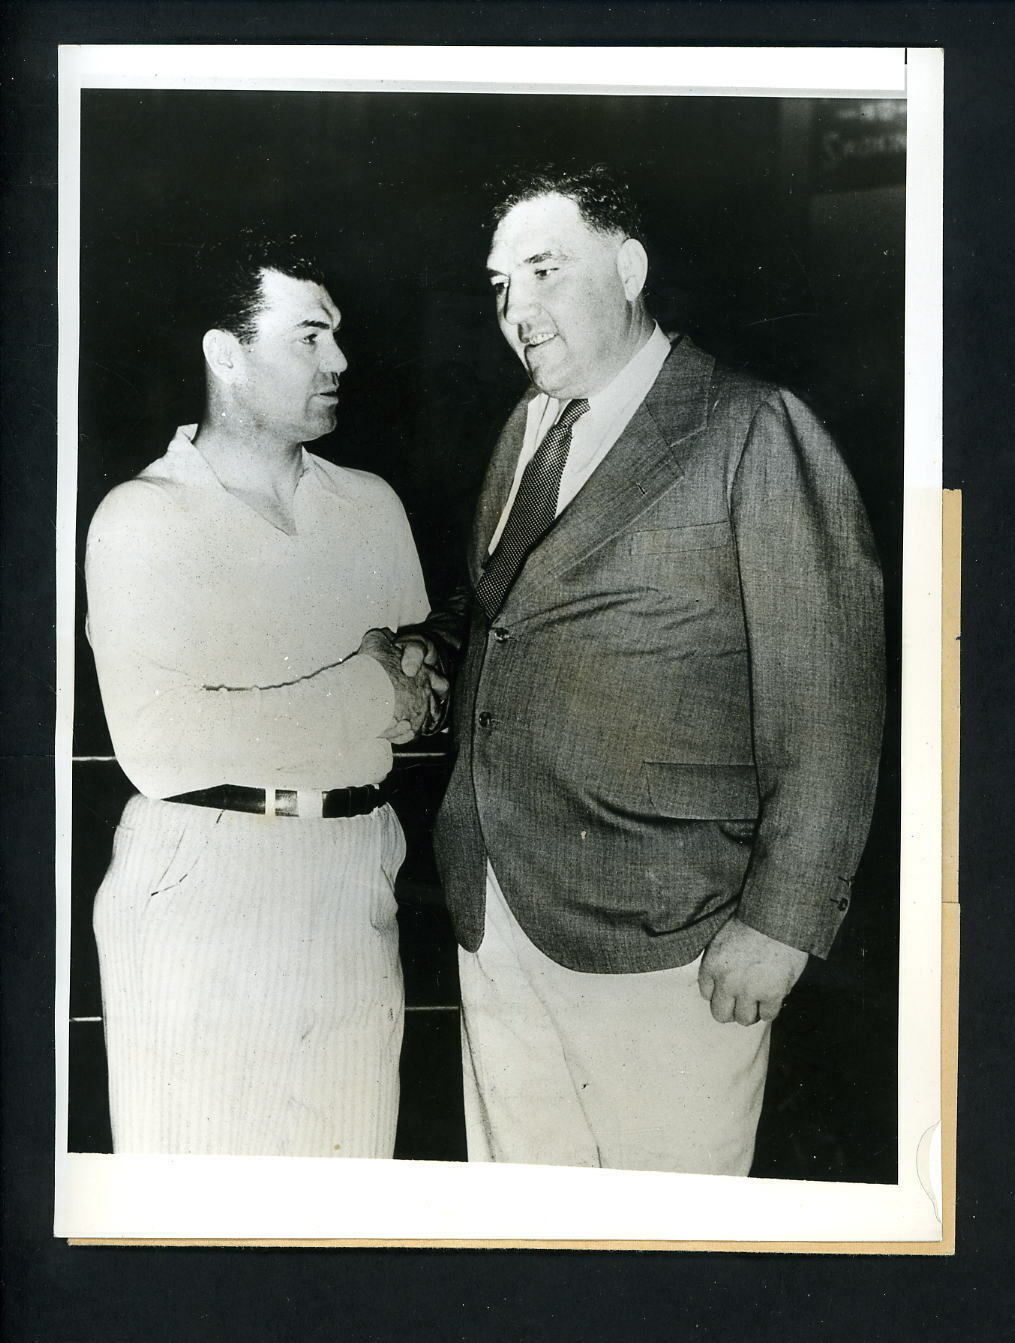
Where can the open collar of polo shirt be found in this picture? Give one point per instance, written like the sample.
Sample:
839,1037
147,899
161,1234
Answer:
185,461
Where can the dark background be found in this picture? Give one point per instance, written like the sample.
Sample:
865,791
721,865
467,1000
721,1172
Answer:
775,229
59,1293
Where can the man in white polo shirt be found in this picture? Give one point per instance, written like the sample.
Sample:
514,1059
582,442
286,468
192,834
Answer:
238,593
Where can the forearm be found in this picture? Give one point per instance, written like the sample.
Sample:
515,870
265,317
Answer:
172,735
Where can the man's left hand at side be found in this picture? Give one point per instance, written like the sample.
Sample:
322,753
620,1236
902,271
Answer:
746,975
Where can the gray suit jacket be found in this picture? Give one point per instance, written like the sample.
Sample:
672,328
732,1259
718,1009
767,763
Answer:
677,714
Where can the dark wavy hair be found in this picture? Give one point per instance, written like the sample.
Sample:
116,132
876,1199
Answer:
602,196
228,294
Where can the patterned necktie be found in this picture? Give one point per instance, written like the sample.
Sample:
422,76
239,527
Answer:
533,510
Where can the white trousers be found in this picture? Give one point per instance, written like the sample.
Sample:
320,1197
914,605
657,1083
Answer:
251,986
627,1071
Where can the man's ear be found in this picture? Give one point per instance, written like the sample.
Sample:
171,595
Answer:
632,266
223,355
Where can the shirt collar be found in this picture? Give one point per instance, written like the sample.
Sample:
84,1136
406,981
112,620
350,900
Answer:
187,457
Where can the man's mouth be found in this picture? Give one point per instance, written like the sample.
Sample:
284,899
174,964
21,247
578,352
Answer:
538,338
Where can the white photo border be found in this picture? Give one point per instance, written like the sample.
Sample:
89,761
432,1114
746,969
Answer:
275,1199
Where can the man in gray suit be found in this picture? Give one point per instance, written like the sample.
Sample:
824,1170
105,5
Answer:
668,716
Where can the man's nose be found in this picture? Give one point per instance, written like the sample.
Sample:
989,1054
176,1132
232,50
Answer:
333,360
519,304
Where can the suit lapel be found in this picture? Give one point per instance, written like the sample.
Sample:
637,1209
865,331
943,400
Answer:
642,464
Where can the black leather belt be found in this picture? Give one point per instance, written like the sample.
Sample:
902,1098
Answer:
335,804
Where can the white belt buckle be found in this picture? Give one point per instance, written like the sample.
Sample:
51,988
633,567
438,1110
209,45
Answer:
309,803
269,802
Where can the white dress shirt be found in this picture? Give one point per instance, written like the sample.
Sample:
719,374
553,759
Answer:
223,644
592,437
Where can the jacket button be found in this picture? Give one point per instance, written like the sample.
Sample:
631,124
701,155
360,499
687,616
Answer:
501,635
843,904
485,718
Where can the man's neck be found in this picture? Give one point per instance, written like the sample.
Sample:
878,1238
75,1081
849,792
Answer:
640,331
258,468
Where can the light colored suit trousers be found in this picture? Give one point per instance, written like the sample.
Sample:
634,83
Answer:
630,1072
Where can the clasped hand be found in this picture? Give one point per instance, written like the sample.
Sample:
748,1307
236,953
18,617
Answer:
746,975
419,688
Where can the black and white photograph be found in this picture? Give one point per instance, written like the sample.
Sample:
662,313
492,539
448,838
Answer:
483,510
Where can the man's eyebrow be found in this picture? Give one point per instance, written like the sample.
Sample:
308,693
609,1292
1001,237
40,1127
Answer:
320,326
530,261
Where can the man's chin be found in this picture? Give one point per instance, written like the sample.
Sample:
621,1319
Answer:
551,387
321,424
547,376
542,379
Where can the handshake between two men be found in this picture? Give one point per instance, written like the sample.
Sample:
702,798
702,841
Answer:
419,678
